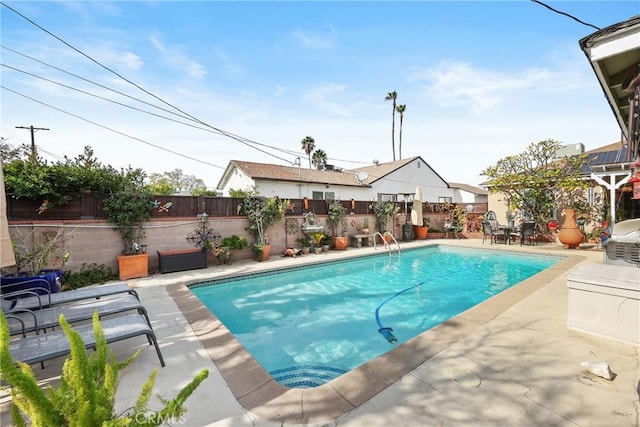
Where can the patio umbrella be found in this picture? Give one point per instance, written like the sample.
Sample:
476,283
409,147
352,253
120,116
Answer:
7,258
416,211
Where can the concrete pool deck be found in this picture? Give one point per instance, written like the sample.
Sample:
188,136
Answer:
510,361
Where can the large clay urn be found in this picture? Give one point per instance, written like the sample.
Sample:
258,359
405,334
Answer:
570,235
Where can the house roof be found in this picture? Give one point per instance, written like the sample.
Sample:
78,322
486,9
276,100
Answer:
271,172
612,156
469,188
614,53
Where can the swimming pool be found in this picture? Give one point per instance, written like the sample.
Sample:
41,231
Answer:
308,325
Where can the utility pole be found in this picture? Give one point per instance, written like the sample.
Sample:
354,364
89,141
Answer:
34,154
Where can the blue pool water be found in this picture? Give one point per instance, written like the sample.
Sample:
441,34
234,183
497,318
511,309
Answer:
309,325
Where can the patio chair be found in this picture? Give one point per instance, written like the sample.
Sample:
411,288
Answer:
39,348
46,318
490,231
492,218
30,300
528,232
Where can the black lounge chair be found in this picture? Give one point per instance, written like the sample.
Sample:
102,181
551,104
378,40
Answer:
43,319
39,348
30,300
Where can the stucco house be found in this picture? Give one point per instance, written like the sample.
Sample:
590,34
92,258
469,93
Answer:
381,181
607,172
465,193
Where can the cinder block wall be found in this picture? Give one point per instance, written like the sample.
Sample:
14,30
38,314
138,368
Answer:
95,241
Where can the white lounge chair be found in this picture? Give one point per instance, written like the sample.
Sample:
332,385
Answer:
38,348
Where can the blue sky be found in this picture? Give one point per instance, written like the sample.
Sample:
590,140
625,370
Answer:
480,80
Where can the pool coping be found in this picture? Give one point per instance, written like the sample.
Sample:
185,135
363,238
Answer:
259,393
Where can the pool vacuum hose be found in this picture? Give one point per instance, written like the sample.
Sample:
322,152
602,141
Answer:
385,331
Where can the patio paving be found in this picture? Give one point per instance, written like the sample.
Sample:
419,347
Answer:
516,364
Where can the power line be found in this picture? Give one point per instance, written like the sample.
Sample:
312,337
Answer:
565,14
110,129
238,138
222,132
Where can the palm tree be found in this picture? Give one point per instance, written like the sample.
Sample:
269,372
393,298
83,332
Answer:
319,158
308,144
392,96
400,109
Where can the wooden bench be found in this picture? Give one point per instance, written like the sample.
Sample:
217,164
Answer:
361,239
181,260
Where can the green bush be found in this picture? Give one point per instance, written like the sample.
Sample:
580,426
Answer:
85,395
92,274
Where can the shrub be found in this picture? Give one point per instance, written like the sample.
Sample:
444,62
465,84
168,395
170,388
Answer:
92,274
86,393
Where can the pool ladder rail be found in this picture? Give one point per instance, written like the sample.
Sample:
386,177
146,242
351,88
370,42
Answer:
386,244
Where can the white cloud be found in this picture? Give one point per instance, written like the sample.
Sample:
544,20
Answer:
458,84
174,56
313,40
327,98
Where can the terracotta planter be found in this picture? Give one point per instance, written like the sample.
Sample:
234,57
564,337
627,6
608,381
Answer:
420,232
264,254
133,266
570,235
340,243
388,237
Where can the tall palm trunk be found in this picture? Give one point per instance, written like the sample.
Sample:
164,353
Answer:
400,140
392,96
393,130
401,109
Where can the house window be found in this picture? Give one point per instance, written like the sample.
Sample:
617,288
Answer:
591,196
442,199
387,197
326,195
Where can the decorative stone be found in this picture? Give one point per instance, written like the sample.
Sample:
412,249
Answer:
600,369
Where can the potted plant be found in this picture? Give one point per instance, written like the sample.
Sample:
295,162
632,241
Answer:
384,211
305,244
337,219
262,213
318,241
229,244
365,226
421,231
552,226
37,257
128,209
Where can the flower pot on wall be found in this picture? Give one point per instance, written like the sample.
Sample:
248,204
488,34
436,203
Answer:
133,266
340,243
570,235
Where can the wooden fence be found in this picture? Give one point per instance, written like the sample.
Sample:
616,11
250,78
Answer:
90,206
